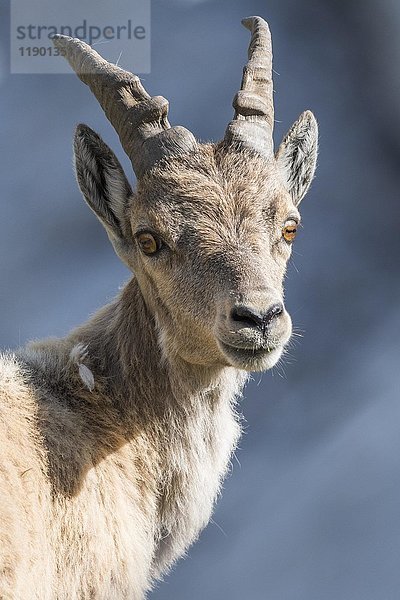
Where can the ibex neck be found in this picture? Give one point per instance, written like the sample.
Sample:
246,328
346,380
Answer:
122,339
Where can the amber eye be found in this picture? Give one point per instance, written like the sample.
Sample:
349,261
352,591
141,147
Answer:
148,243
289,231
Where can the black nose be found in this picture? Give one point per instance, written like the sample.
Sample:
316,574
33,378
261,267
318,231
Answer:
251,317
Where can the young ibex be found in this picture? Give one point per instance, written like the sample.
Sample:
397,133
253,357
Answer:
114,440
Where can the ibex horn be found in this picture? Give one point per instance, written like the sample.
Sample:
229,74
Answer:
253,123
140,120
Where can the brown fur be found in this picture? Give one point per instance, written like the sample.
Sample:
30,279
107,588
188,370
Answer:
115,440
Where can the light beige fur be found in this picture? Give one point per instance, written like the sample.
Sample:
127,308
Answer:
114,440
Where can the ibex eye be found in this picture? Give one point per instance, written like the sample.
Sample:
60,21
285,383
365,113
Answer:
289,230
149,244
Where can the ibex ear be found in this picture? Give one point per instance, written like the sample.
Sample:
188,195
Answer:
297,155
103,184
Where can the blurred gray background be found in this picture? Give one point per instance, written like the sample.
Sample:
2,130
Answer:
312,512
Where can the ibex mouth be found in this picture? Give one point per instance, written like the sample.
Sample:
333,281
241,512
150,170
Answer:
249,351
251,358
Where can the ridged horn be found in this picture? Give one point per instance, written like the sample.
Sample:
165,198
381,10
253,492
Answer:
139,119
253,122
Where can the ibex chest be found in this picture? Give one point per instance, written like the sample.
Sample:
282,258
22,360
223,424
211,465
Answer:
195,463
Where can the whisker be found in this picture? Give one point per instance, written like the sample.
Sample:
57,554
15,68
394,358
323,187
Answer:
219,527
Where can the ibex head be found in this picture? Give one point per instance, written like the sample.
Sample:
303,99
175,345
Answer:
209,229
